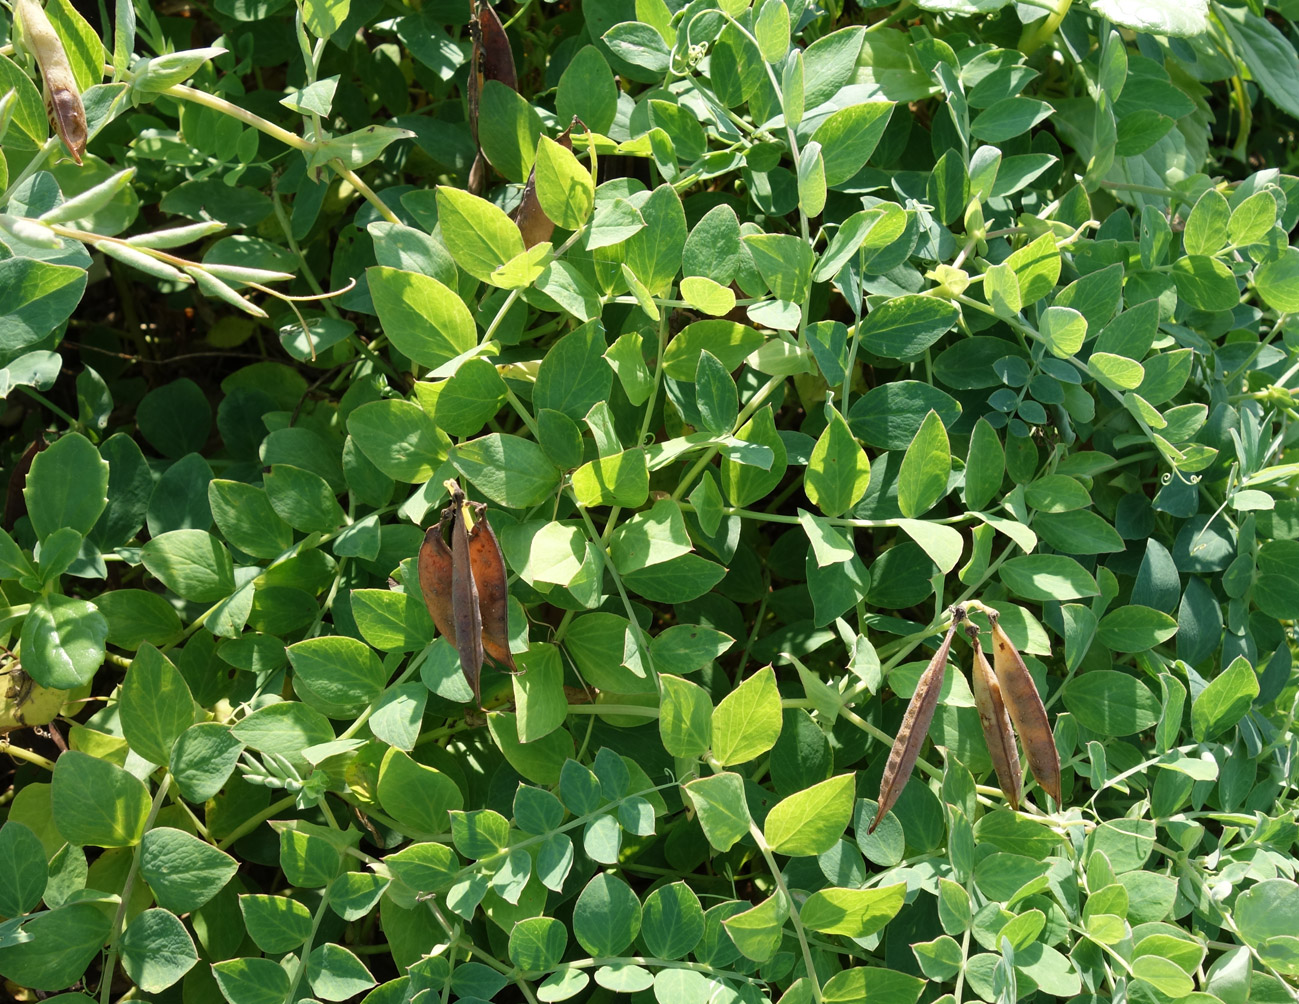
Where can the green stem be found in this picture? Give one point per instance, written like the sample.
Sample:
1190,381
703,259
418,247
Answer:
1038,32
110,963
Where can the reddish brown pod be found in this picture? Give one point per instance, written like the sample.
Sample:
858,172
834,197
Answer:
465,587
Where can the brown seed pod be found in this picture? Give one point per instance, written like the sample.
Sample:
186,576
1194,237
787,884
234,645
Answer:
1026,710
464,595
915,724
533,223
491,59
435,580
996,723
62,96
493,593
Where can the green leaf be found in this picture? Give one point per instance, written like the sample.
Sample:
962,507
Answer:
97,803
855,913
508,129
155,705
1253,219
1063,329
1135,628
303,499
715,394
838,472
757,933
811,821
1206,227
1268,53
191,563
538,943
1278,279
621,479
730,342
277,924
23,870
510,471
985,466
747,722
156,950
771,29
480,237
1111,703
336,675
849,136
244,516
639,44
63,641
1163,974
251,981
564,187
1079,531
37,296
719,802
905,326
744,483
60,945
654,253
1008,118
1047,577
1205,283
685,717
423,319
399,439
539,761
67,486
606,916
202,760
574,376
922,479
672,923
1225,701
588,91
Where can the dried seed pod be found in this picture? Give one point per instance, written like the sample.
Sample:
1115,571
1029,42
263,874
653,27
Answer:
464,595
915,724
491,59
62,96
435,580
533,223
996,723
1026,710
491,581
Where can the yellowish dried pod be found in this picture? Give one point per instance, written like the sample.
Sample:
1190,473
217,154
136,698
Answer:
1026,710
996,723
62,96
915,725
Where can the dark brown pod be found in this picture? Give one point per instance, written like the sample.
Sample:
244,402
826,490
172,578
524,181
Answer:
493,590
464,595
491,59
915,725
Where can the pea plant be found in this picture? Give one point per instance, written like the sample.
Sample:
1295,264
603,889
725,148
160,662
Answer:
501,499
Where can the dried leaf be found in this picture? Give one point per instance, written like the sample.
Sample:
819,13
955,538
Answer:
996,723
1027,711
915,725
464,595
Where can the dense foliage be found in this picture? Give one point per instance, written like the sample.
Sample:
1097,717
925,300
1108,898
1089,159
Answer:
816,321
